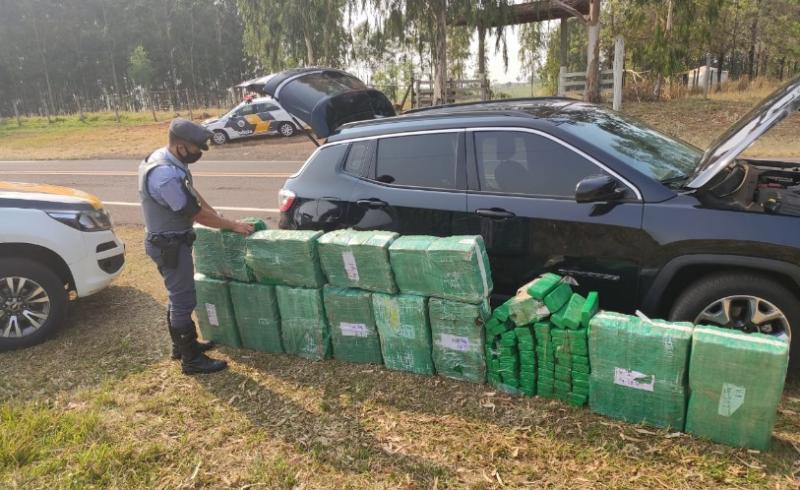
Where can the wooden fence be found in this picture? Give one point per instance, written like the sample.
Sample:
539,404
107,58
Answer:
457,91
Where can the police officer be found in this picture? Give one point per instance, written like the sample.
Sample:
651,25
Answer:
171,205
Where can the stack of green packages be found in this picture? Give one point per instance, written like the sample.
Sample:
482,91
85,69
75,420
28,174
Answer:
413,272
215,311
497,325
304,327
234,246
358,259
508,362
287,257
639,369
526,347
460,269
257,317
353,332
458,338
209,256
404,331
736,381
545,359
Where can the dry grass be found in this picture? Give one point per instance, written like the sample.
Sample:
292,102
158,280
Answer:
100,405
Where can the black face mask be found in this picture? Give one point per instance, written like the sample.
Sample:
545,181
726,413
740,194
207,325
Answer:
189,157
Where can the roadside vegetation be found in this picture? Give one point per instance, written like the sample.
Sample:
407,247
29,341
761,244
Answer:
101,406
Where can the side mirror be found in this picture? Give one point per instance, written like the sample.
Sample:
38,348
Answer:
599,188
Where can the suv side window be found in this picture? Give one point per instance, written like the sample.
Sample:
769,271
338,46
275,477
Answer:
359,157
425,160
516,162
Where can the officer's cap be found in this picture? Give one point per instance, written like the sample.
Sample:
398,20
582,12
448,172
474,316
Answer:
188,131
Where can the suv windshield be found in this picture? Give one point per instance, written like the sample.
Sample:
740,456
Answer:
639,146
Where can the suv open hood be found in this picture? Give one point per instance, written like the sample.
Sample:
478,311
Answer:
325,98
733,142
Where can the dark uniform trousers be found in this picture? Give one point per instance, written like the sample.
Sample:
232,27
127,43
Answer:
178,274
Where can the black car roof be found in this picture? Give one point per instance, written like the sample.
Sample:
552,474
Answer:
440,116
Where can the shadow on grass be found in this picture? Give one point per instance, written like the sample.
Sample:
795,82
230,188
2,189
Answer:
332,436
118,331
441,397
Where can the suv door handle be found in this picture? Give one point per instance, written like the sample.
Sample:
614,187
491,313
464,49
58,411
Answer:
372,203
495,213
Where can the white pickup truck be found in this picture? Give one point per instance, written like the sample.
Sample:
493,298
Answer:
56,244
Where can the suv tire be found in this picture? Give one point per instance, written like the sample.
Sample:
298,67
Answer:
26,276
736,292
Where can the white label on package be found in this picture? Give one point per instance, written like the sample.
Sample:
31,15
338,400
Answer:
211,311
353,329
634,379
454,342
731,398
350,265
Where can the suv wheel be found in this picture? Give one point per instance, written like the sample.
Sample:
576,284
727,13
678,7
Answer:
742,301
33,303
286,129
219,137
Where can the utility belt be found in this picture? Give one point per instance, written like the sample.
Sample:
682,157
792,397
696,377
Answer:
169,244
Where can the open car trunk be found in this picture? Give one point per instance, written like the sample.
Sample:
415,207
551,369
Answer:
325,99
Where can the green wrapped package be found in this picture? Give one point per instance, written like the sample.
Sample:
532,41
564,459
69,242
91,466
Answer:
358,259
353,333
569,316
215,311
412,269
234,246
543,285
639,369
304,328
257,317
590,308
736,381
209,257
461,268
404,331
287,257
457,332
558,297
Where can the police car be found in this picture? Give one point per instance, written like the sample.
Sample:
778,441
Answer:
56,244
253,117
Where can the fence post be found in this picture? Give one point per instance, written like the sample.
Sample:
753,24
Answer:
189,105
562,79
81,117
619,71
707,81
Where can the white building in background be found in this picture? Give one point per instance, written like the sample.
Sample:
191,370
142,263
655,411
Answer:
697,78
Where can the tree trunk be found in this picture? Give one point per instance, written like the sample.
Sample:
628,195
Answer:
310,55
783,65
592,92
563,49
16,112
45,65
719,70
482,61
751,56
440,53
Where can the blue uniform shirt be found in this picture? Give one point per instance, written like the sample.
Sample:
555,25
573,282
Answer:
165,182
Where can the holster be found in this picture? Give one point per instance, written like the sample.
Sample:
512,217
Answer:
170,245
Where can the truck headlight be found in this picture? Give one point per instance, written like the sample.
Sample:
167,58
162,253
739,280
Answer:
93,220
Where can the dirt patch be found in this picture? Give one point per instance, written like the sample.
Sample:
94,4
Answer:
101,405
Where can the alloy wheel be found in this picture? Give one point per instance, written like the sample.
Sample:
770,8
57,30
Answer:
287,129
24,306
218,138
748,314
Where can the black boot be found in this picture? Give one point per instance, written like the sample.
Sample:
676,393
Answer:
193,361
176,351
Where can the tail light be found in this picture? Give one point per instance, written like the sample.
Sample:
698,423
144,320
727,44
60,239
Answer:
285,200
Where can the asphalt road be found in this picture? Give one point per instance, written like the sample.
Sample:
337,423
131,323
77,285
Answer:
235,188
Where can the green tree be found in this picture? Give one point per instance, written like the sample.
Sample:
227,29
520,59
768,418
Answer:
140,68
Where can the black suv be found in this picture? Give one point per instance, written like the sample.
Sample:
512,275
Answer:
554,184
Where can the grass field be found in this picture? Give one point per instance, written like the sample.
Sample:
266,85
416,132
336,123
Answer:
101,406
